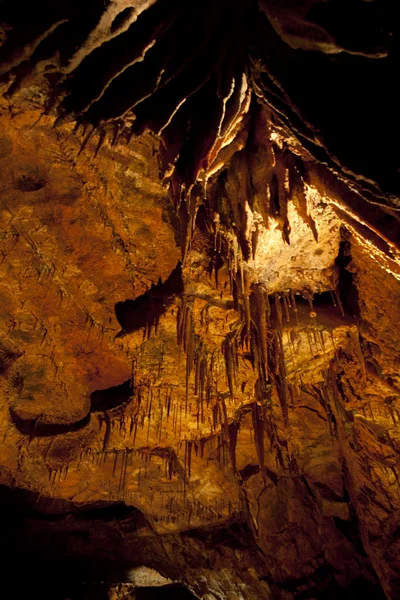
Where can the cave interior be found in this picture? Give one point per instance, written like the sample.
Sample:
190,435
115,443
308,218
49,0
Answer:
200,299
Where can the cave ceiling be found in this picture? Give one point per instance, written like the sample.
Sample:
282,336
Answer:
199,290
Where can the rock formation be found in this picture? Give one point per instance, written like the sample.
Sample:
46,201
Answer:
199,283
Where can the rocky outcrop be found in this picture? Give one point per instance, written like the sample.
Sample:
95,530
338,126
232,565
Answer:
199,280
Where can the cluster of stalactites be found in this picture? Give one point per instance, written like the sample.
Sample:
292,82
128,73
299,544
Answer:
173,68
178,71
258,336
220,445
262,176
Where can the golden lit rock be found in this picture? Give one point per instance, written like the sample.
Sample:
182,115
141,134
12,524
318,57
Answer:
199,284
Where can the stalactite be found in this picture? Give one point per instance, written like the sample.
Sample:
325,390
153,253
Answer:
334,347
276,356
298,196
115,463
279,315
260,316
233,430
87,139
323,398
258,425
197,375
107,433
124,466
202,443
338,301
230,360
286,306
169,397
226,433
309,343
322,340
280,193
189,365
202,380
160,424
245,292
289,336
189,458
355,339
282,388
102,138
254,241
310,299
295,309
186,338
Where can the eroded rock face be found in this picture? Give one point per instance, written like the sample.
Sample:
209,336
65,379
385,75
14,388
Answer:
198,352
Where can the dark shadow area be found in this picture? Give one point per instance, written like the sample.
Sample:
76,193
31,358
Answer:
357,590
249,471
29,178
146,310
342,18
121,19
322,586
166,592
347,288
343,80
54,549
101,400
230,535
39,428
7,357
327,308
23,505
111,397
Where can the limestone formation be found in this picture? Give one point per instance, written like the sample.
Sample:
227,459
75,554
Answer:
199,290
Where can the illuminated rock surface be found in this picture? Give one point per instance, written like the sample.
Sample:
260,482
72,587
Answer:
199,287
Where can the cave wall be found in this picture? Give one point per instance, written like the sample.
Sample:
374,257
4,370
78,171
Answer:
199,290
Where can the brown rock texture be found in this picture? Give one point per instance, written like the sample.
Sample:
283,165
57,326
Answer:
199,290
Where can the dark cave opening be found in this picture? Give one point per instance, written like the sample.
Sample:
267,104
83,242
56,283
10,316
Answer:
111,397
346,287
145,311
